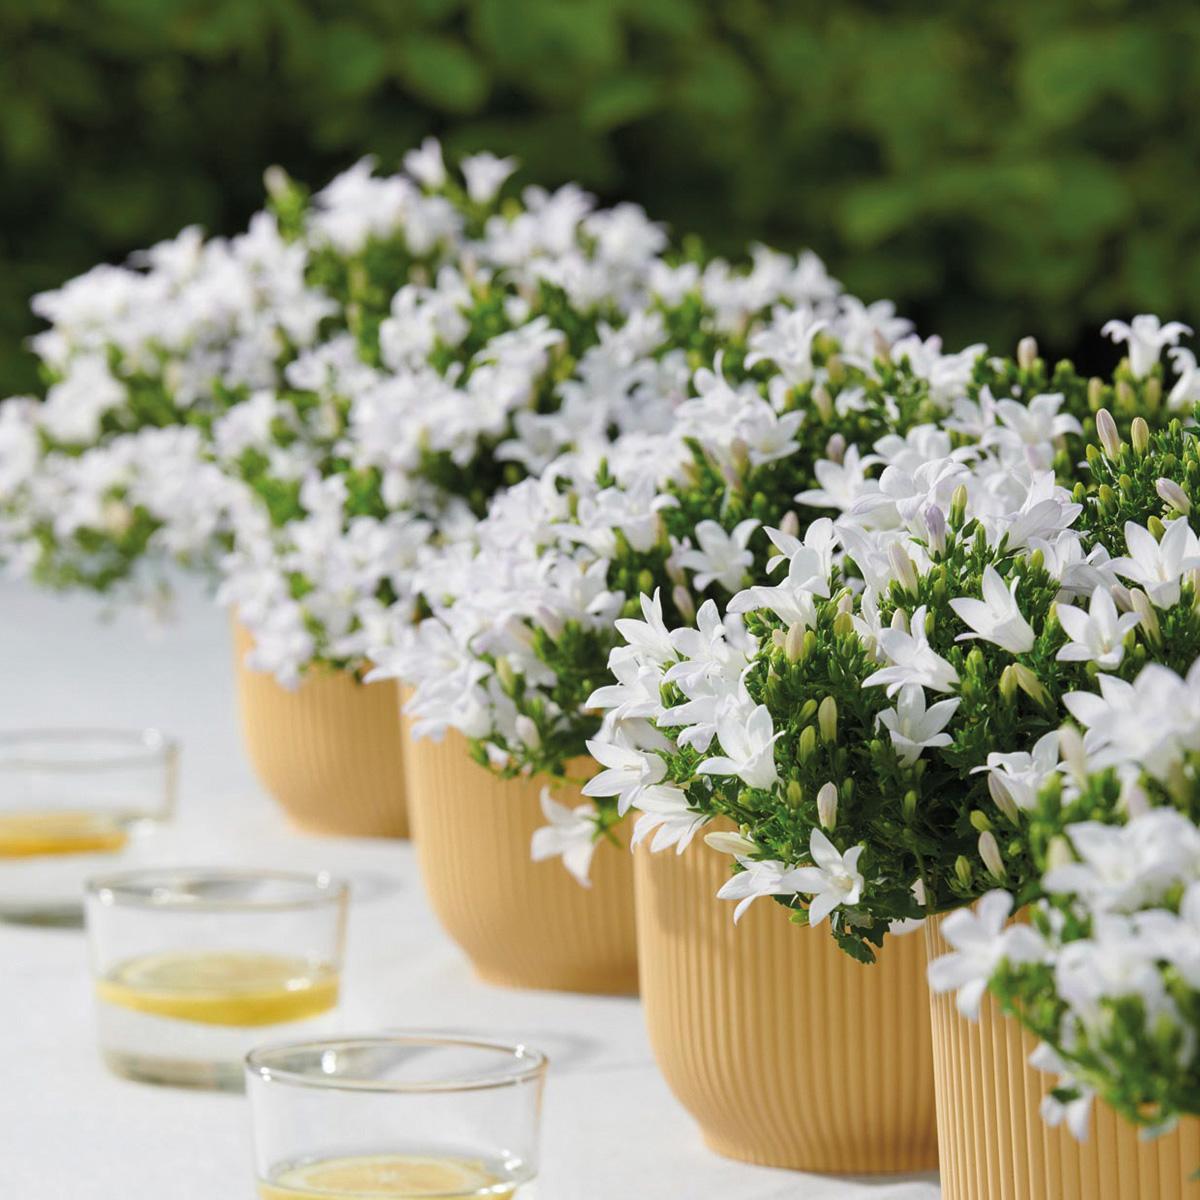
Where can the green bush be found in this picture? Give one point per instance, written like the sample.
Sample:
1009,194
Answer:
996,167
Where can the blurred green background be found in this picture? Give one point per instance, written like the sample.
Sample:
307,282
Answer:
996,168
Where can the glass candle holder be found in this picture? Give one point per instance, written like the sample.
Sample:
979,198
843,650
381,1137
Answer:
74,802
193,967
405,1115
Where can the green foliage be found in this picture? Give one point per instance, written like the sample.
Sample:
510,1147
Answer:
994,170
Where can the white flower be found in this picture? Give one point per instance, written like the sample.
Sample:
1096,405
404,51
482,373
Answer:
1099,634
1020,776
628,773
996,618
665,813
833,880
1075,1113
914,728
981,942
485,175
757,879
1146,336
571,834
425,163
721,556
748,740
1158,566
912,660
840,485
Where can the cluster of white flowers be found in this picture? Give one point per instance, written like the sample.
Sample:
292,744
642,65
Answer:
545,560
1116,945
688,686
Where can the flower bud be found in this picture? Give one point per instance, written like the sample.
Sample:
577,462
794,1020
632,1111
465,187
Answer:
827,719
1027,352
1126,398
793,642
989,851
728,842
1156,528
1139,435
778,638
684,602
1122,597
1058,853
835,448
1095,392
1106,431
909,804
958,506
1071,751
827,805
935,523
1008,684
506,675
1170,493
808,710
795,793
1148,618
807,743
276,181
1029,683
527,731
979,821
790,524
810,644
963,870
1134,799
843,624
116,517
900,620
822,402
1152,393
739,453
675,572
1002,798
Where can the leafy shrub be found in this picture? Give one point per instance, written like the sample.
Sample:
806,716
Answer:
995,168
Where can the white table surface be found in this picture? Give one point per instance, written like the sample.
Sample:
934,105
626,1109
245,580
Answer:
71,1131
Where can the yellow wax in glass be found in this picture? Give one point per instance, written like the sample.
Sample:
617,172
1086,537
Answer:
222,987
378,1176
26,834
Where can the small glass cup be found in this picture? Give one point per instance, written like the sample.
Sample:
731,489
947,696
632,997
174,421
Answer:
404,1115
74,802
193,967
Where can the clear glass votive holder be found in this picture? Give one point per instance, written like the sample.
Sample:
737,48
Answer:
192,967
396,1115
74,802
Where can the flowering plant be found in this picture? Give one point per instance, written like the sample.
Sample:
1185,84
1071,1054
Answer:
880,721
789,418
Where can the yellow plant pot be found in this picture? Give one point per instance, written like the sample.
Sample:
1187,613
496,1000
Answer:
786,1052
521,923
994,1144
329,752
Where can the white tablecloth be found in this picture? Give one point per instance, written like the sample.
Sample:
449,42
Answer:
71,1131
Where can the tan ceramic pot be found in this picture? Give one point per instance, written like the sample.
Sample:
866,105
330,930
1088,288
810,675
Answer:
329,752
521,923
786,1051
994,1144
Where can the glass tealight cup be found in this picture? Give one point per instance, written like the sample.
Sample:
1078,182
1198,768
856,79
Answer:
396,1115
74,802
192,967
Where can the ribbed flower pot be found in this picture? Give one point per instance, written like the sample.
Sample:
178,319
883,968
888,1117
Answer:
329,752
521,923
994,1144
786,1052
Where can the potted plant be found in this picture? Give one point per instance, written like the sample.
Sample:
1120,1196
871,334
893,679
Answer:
851,804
